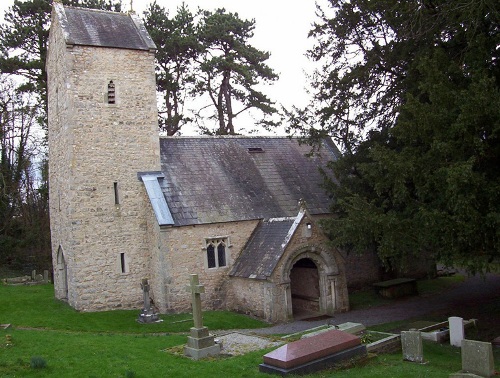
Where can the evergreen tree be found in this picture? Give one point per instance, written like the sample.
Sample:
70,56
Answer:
411,91
177,50
231,69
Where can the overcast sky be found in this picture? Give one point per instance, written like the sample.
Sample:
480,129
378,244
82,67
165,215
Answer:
281,29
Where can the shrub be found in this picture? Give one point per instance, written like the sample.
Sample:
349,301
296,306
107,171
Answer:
38,362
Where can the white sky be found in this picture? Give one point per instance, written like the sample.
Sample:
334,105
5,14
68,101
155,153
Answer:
281,29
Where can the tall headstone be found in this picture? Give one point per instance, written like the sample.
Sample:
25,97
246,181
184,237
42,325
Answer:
456,325
411,342
147,314
200,344
477,360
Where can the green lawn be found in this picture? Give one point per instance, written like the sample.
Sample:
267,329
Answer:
112,344
369,298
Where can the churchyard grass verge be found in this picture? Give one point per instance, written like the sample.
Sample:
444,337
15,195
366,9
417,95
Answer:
369,298
111,344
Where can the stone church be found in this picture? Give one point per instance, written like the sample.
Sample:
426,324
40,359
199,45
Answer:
126,204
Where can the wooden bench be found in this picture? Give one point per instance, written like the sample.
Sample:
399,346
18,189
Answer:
399,287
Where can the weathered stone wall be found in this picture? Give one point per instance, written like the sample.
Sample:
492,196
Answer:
94,146
249,296
271,299
183,252
362,270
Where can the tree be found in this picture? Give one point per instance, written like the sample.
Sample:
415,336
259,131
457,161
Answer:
177,49
24,223
231,69
411,91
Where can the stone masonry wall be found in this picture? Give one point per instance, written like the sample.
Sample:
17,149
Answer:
95,146
183,252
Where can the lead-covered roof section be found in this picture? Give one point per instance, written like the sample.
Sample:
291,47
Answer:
151,181
224,179
90,27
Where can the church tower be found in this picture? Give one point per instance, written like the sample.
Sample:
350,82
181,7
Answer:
102,131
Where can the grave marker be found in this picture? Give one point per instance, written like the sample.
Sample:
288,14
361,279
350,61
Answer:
477,360
314,353
147,314
456,325
411,342
200,344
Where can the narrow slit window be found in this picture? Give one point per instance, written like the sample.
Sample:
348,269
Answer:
115,189
123,263
111,93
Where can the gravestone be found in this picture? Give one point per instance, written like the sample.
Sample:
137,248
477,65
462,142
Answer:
477,360
147,315
411,342
456,325
200,344
314,353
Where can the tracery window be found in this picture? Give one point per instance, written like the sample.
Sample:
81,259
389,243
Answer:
216,252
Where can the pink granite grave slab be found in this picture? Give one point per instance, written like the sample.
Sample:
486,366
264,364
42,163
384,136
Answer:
305,350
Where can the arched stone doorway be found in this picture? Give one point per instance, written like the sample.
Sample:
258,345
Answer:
62,275
326,270
304,287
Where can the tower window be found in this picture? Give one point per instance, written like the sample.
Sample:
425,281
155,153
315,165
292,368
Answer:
111,93
115,188
123,263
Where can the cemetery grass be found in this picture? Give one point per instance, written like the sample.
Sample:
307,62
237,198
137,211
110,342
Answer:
112,344
368,297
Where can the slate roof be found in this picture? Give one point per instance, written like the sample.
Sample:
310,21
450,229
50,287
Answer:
263,250
223,179
90,27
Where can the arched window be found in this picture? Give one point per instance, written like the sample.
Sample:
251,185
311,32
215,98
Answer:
216,253
221,253
211,256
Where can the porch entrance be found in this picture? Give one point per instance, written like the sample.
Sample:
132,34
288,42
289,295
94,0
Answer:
304,285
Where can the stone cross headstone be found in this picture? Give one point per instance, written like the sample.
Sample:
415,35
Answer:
145,294
411,342
200,343
147,314
477,360
196,290
456,325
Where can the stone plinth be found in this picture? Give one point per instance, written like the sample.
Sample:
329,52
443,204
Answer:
314,353
399,287
148,316
200,344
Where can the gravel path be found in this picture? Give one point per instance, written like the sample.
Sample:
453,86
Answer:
474,292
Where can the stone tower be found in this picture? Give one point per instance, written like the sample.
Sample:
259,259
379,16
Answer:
102,132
